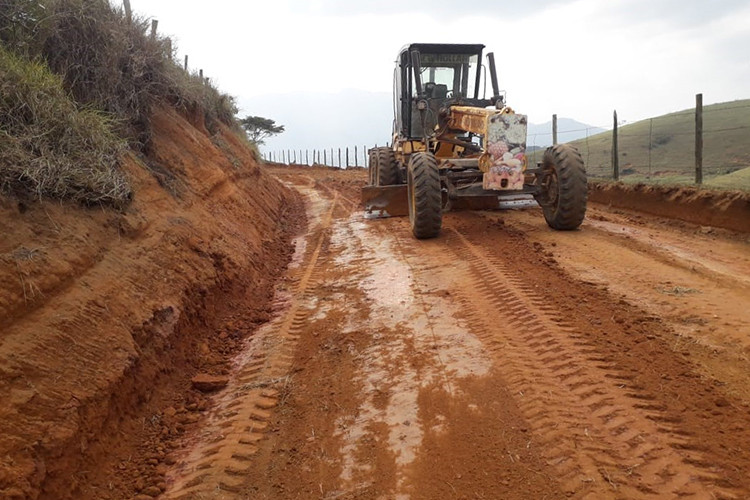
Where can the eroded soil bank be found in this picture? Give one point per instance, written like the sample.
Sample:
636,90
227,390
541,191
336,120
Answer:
723,209
105,316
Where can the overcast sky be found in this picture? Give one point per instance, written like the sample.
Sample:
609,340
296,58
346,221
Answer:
579,59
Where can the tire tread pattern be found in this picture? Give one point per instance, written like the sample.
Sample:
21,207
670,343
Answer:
425,197
569,211
386,170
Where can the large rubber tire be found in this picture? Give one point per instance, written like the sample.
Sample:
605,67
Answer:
386,171
424,195
563,187
372,162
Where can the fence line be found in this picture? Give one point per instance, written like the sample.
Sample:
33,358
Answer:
618,151
640,151
340,157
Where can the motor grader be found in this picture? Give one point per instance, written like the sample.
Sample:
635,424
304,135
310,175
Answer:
454,148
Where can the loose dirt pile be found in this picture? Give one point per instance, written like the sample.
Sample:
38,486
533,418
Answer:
725,209
105,316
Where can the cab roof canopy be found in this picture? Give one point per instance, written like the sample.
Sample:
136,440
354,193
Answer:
444,48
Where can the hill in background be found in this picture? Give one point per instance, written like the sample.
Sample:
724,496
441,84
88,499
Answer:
540,135
664,146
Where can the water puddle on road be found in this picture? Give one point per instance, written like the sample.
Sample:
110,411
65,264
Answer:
416,343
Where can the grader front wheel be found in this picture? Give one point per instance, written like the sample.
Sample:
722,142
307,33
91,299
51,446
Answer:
424,195
563,187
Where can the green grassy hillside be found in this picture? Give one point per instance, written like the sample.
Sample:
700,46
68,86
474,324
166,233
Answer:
662,149
736,180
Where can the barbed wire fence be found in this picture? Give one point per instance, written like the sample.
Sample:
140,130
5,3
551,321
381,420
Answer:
669,147
340,157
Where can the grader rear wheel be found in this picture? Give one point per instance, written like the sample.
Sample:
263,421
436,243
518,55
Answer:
424,196
372,162
386,171
563,187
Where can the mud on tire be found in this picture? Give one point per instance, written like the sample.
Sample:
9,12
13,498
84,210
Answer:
563,187
424,195
384,171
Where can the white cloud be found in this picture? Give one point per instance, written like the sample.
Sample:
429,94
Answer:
579,59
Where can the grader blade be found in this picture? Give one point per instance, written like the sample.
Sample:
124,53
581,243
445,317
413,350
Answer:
385,201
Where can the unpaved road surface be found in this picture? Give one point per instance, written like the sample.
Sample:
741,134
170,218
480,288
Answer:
501,360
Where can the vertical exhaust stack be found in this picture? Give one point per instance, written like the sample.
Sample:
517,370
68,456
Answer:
421,100
493,75
417,67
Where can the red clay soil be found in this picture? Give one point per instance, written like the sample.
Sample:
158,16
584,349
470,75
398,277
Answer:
501,360
724,209
106,315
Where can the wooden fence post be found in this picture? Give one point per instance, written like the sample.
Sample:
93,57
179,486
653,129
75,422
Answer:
699,138
186,59
554,130
615,156
347,157
650,143
154,24
324,157
339,157
128,11
307,162
355,156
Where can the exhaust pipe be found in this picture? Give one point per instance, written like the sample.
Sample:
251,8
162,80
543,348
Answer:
493,75
417,66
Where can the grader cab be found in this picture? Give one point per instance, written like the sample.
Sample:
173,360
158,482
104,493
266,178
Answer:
455,148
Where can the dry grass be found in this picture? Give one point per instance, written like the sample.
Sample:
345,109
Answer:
56,138
109,62
48,146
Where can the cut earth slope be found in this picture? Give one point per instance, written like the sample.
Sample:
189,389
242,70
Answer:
105,315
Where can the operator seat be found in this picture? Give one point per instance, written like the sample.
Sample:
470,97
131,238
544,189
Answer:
440,91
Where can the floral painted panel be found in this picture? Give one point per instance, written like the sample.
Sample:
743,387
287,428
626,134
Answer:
506,147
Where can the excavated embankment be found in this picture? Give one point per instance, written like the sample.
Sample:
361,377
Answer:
724,209
105,316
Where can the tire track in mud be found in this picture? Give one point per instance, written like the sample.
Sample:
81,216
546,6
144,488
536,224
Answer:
218,464
604,436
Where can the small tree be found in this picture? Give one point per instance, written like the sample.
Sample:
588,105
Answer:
259,129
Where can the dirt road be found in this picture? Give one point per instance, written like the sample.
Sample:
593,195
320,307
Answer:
501,360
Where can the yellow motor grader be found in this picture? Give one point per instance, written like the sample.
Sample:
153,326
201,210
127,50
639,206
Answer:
454,149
